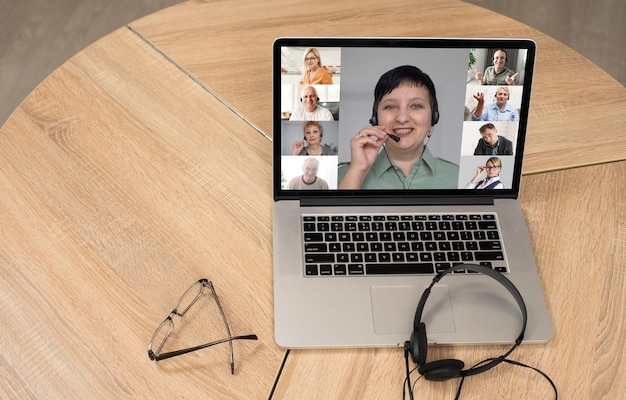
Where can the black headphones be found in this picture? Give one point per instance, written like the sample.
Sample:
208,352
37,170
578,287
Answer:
442,370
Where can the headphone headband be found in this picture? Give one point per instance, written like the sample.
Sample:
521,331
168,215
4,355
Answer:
444,369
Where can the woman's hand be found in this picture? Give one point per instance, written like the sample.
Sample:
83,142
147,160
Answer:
297,148
479,172
364,148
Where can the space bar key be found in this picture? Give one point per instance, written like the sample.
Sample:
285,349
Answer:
399,268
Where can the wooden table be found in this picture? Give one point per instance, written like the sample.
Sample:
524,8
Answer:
119,191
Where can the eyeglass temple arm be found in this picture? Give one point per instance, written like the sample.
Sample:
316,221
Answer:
158,357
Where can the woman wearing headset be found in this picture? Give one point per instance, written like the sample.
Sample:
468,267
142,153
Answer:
391,153
312,143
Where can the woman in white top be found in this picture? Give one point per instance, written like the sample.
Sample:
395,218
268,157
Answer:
493,166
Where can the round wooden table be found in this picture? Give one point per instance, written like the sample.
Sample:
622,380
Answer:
144,164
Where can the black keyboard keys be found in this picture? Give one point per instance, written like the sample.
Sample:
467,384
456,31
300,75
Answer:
351,245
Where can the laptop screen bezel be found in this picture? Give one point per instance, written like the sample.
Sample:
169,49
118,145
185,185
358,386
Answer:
405,195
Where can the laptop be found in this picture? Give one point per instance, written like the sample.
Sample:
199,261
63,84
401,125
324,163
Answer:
393,159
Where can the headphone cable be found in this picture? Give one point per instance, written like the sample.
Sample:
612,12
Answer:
512,362
407,381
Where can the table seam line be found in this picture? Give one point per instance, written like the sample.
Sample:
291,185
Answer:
197,81
278,375
570,167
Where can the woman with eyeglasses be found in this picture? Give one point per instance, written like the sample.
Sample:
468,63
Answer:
492,167
314,72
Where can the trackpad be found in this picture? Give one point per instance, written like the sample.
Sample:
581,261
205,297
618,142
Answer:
394,309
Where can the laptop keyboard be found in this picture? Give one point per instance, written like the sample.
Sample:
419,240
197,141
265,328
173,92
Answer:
358,245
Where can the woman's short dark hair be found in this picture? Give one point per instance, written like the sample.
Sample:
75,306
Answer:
411,75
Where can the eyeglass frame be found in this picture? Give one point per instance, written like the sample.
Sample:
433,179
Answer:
157,356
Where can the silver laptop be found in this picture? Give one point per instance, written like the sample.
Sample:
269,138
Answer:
394,159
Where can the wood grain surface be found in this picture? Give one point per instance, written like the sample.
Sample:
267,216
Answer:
577,110
138,167
122,184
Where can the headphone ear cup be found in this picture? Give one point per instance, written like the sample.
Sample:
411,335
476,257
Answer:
419,345
374,120
435,117
441,370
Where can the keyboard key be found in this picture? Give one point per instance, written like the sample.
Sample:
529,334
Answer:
440,267
397,257
362,247
356,258
326,269
493,245
356,269
488,255
371,237
340,269
313,237
315,248
319,258
334,247
400,268
486,225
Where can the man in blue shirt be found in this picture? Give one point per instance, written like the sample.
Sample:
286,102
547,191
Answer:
500,110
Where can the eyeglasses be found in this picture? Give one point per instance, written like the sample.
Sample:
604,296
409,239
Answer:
310,59
490,168
186,301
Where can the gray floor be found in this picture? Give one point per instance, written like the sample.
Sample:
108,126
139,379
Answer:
594,28
37,36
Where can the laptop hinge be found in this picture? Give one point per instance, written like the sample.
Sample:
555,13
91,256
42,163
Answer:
396,201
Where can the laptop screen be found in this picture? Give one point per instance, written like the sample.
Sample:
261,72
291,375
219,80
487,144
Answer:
399,117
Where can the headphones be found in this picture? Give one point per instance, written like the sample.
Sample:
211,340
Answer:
442,370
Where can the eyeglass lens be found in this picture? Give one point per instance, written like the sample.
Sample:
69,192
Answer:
187,300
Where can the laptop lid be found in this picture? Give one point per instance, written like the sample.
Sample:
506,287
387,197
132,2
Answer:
460,144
